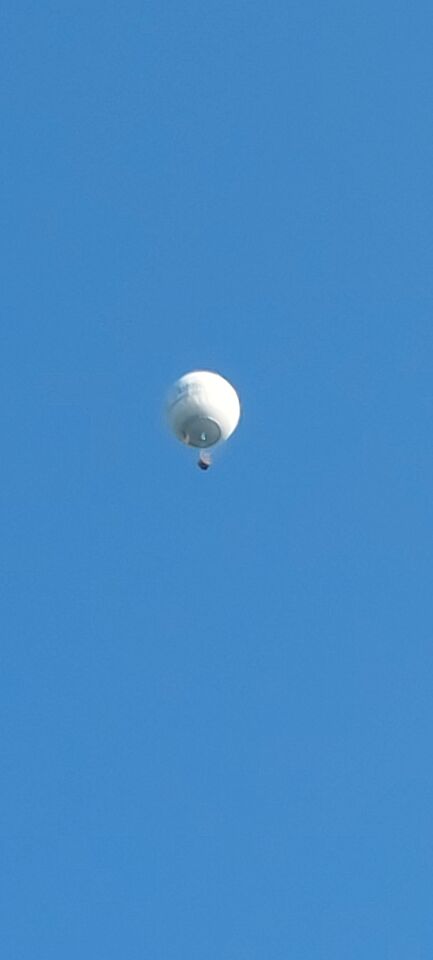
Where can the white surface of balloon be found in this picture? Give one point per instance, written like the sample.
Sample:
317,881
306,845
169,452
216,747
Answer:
203,410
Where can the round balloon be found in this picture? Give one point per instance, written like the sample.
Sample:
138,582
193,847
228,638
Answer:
203,409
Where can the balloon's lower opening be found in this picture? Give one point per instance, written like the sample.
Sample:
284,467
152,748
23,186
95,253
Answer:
201,432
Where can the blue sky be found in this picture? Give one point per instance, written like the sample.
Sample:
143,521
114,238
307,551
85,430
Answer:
216,689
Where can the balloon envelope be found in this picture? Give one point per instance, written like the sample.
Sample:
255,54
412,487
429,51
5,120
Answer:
203,408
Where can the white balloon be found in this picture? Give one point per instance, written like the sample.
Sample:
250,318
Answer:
203,409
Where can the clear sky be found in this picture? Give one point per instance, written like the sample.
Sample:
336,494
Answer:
216,689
